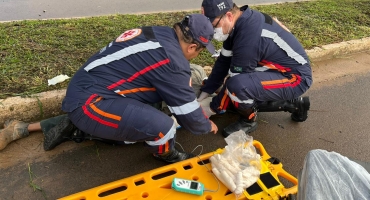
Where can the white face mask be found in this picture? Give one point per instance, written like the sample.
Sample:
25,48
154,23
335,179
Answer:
219,35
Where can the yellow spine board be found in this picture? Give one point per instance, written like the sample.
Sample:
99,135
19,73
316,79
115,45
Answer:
156,184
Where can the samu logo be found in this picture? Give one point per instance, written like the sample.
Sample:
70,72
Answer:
221,6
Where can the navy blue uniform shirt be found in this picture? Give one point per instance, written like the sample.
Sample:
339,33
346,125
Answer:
149,68
257,38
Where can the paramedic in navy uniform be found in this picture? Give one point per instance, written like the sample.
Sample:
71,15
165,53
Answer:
110,95
268,69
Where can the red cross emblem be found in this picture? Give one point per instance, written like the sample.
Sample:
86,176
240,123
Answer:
128,35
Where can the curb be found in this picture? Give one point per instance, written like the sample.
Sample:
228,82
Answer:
37,107
330,51
48,104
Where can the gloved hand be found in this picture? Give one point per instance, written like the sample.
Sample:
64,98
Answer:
205,104
202,96
175,120
216,54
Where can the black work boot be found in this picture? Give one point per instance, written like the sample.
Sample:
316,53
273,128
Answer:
242,124
173,156
298,107
59,133
303,105
247,123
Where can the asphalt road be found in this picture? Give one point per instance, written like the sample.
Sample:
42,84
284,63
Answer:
338,121
44,9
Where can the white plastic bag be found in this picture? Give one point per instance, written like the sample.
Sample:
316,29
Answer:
238,166
329,175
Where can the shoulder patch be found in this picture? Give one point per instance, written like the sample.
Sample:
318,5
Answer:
128,35
238,69
268,19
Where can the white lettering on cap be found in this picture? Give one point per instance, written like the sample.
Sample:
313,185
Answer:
221,6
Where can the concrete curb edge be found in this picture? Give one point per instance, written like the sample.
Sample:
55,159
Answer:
48,104
338,49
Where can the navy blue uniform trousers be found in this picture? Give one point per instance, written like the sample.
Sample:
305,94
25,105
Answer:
247,90
125,119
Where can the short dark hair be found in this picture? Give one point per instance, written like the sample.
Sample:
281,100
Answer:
185,36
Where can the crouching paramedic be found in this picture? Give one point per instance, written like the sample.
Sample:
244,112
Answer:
110,96
268,68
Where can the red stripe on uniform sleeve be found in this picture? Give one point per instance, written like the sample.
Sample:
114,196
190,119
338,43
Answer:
141,72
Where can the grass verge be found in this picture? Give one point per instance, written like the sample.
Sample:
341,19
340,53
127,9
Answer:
33,51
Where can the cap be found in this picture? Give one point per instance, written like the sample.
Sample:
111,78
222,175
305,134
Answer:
200,28
215,8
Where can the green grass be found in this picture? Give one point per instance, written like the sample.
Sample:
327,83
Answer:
33,51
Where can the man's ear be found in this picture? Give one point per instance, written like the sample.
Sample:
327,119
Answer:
192,48
230,16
